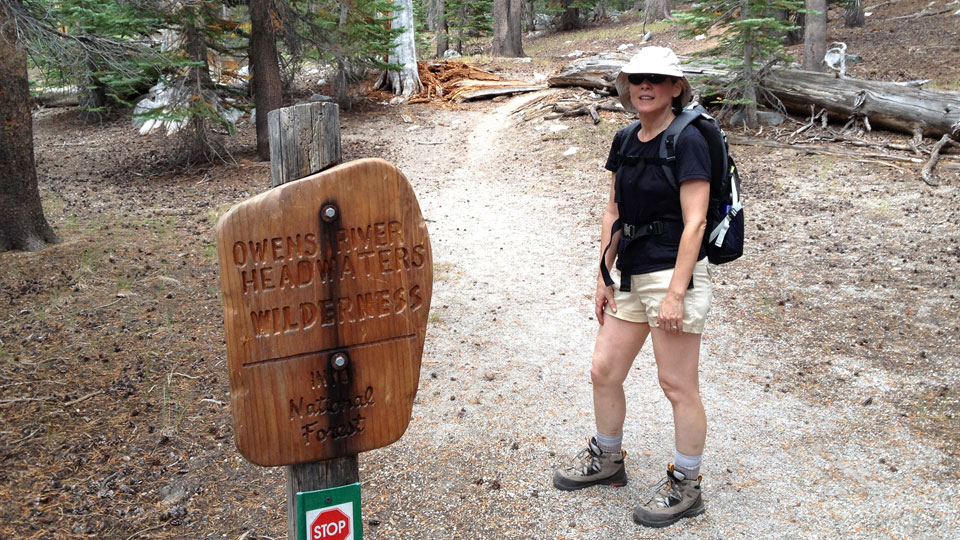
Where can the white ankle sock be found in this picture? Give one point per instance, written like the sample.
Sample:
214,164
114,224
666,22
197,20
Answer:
688,465
610,444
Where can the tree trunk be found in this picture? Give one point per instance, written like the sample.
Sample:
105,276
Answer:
507,35
570,18
265,69
638,5
405,82
815,36
792,37
199,142
600,10
656,10
343,98
749,78
530,16
461,21
853,17
433,15
443,38
23,226
93,93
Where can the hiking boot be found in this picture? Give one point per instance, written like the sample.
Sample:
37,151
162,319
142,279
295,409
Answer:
671,500
592,466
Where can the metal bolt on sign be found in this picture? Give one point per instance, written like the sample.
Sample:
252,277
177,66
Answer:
329,213
339,360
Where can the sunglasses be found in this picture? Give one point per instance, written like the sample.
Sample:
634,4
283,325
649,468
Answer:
654,78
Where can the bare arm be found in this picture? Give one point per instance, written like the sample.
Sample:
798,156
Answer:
694,199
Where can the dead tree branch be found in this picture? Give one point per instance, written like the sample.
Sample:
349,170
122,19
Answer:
927,173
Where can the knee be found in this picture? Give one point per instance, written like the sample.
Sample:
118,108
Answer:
603,372
680,391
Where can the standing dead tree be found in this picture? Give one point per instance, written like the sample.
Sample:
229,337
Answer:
406,81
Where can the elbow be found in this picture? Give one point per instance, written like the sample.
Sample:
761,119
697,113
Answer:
612,214
698,226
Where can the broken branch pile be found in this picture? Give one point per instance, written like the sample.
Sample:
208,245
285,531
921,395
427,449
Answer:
456,81
570,104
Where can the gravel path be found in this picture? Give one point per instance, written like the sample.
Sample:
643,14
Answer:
505,393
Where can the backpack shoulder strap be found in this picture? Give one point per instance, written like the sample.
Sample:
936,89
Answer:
668,144
630,132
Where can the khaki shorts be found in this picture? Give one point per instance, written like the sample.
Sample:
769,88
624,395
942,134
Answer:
642,303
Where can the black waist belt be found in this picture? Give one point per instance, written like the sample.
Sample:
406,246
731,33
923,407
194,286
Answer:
654,228
673,230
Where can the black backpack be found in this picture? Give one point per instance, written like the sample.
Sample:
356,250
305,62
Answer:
723,240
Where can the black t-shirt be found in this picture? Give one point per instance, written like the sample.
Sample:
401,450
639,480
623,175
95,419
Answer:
652,197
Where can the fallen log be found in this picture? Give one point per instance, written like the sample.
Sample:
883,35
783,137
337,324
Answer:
598,72
884,104
472,92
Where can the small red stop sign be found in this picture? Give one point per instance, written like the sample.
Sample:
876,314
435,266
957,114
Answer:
329,525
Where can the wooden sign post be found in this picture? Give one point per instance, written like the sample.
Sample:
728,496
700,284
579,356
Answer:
326,287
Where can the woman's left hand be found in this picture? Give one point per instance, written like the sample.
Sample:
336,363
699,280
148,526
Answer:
670,318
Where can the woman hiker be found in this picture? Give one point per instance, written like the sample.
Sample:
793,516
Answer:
665,289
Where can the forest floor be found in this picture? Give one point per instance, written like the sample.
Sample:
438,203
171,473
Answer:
830,367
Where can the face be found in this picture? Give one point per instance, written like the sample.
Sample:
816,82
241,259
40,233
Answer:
649,97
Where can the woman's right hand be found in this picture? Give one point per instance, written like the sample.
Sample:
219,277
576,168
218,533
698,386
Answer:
603,297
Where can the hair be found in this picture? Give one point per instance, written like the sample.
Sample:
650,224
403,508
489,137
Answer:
677,101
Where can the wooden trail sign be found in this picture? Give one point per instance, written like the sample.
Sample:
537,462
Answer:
326,291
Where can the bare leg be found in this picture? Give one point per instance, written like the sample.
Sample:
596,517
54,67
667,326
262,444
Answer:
678,359
618,343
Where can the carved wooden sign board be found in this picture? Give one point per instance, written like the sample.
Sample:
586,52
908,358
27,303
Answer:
326,287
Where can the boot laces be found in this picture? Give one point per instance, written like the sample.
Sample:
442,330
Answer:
665,493
588,461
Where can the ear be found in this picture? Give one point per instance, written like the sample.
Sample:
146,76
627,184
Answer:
677,87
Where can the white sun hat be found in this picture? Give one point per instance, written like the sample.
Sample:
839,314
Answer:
657,60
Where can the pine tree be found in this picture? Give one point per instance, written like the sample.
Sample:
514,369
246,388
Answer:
750,42
468,20
351,35
71,51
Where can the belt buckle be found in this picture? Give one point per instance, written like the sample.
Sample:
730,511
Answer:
629,230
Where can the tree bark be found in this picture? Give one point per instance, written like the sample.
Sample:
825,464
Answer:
267,94
815,36
507,33
530,15
570,18
854,17
600,10
461,20
749,78
433,14
198,141
23,226
656,10
887,105
443,29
